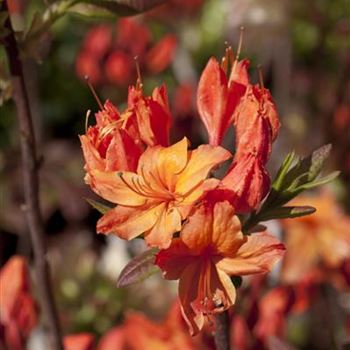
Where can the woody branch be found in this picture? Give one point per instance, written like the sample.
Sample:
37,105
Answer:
31,183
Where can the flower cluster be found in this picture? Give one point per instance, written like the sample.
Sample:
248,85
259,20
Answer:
108,57
164,192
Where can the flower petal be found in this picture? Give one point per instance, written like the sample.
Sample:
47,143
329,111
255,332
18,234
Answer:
173,260
92,157
162,164
257,255
212,101
128,223
201,162
117,187
162,232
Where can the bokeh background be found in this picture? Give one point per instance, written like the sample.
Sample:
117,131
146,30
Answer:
304,50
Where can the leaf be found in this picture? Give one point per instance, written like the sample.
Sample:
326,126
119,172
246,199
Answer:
322,181
307,169
255,229
286,212
138,269
278,181
125,7
102,208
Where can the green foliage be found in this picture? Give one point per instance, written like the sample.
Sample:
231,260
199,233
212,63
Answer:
102,208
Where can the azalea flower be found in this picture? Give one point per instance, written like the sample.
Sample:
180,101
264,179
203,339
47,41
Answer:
117,140
154,200
210,249
219,95
318,240
18,310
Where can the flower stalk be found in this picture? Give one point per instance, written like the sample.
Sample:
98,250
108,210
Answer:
222,331
30,166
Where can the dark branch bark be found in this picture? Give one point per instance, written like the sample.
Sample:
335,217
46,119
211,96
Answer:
31,185
222,331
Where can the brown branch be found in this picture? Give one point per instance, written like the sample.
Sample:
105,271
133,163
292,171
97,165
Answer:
31,184
222,331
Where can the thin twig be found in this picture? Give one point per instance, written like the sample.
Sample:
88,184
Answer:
222,331
31,184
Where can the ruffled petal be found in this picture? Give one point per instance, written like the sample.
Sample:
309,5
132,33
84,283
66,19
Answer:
201,162
257,255
173,260
117,187
128,223
162,232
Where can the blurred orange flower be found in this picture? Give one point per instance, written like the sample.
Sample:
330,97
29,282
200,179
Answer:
139,333
211,248
18,310
80,341
155,200
320,239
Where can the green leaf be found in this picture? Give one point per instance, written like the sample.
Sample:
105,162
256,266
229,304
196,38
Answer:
322,181
286,212
125,7
102,208
278,181
255,229
138,269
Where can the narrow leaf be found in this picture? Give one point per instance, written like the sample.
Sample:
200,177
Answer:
255,229
102,208
138,269
287,212
321,181
278,181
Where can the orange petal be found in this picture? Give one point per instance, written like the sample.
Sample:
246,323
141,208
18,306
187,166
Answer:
227,236
80,341
212,101
188,290
161,54
162,164
173,260
122,153
117,187
114,339
128,223
92,157
162,232
201,162
257,255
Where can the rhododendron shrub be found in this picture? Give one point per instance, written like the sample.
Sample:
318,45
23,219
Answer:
204,231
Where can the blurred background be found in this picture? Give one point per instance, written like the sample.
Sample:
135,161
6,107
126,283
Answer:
304,49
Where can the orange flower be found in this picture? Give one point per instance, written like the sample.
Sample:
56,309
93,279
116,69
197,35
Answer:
211,248
218,96
155,200
322,238
18,310
110,145
80,341
139,333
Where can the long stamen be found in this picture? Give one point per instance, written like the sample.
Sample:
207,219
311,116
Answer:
93,91
139,84
130,186
239,48
87,119
261,76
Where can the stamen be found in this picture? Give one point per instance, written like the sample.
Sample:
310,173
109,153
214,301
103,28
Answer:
240,43
261,77
129,186
139,84
87,119
93,91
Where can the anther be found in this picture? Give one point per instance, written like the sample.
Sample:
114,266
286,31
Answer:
93,91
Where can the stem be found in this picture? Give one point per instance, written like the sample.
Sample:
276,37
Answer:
30,167
222,331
